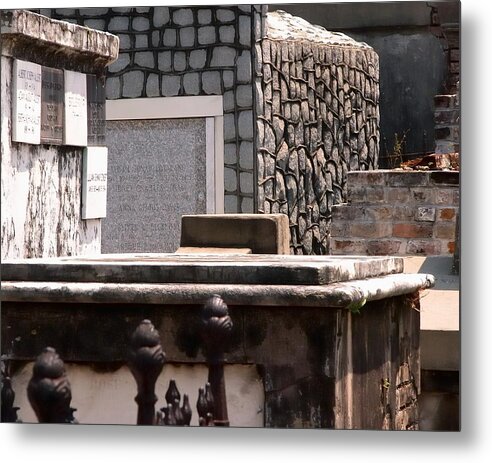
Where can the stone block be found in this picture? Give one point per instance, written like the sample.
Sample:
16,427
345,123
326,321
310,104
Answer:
142,41
412,230
229,127
262,233
247,205
118,24
179,61
224,15
425,214
140,23
245,30
230,203
204,16
171,85
228,79
113,88
244,67
198,58
230,153
223,56
228,99
244,96
125,42
191,83
156,39
98,24
92,11
187,36
245,125
183,17
164,61
246,182
144,59
211,83
230,179
152,85
206,35
227,34
133,82
246,155
169,37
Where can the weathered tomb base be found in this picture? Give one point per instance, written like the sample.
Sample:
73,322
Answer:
324,360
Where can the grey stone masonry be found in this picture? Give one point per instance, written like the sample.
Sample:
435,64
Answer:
317,118
184,51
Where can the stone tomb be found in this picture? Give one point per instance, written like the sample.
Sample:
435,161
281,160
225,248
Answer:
52,106
75,109
94,182
334,340
26,108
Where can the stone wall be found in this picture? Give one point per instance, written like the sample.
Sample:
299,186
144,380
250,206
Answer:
317,110
41,183
184,51
397,213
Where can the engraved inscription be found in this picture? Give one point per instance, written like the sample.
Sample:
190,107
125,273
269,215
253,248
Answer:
26,117
52,106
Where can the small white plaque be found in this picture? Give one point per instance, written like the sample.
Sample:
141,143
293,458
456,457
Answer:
75,109
94,182
26,105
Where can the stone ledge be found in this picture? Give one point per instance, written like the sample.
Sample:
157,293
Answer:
37,38
337,295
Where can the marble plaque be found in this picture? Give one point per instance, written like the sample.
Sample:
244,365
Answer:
156,173
26,102
96,111
75,109
52,106
94,182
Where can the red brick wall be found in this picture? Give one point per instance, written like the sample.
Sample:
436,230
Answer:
397,213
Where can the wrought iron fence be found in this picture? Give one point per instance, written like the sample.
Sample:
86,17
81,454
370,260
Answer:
49,391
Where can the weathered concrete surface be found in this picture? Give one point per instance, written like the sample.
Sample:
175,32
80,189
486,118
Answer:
353,294
262,233
46,41
255,269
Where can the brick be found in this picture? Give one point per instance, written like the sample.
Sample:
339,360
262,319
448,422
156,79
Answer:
442,133
339,246
371,230
409,178
454,55
412,230
347,212
366,178
362,194
454,67
376,213
423,195
444,101
445,230
340,229
451,247
425,214
447,213
423,247
398,195
447,117
383,247
445,178
448,197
